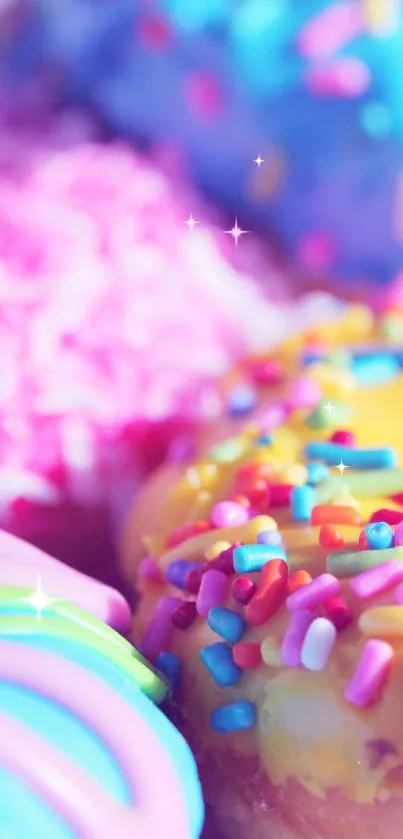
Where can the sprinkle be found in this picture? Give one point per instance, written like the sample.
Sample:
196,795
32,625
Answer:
243,590
227,623
354,458
362,541
399,595
339,613
294,637
235,717
216,549
345,77
241,400
176,572
270,594
149,570
333,28
318,644
346,564
317,472
294,475
270,650
182,534
297,580
157,634
375,369
184,614
211,592
379,535
387,516
365,484
303,392
228,451
195,575
217,658
270,537
228,514
268,373
329,415
330,537
264,440
344,438
334,514
371,672
247,655
270,417
280,495
375,581
247,475
225,560
398,535
314,594
302,501
382,622
171,666
248,558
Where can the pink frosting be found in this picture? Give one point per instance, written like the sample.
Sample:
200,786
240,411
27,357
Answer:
22,564
156,790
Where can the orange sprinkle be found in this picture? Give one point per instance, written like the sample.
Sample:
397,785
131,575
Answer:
335,514
246,655
270,593
240,499
297,580
330,537
181,534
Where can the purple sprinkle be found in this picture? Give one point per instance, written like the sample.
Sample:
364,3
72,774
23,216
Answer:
177,570
149,570
212,591
229,514
378,750
269,537
157,635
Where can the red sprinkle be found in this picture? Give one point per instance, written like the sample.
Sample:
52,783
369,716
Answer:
338,613
246,655
344,438
266,372
181,534
243,589
298,579
194,576
247,475
330,537
270,594
185,614
362,540
225,560
389,516
240,499
280,495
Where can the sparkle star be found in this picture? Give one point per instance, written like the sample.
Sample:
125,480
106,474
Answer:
191,222
258,160
39,599
341,467
236,232
328,407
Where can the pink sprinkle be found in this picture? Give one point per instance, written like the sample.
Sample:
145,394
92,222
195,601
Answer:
371,672
204,95
343,78
331,30
304,392
398,536
229,514
399,595
317,250
270,417
157,634
194,577
344,438
318,644
377,580
211,593
243,589
314,593
338,612
294,637
149,570
267,372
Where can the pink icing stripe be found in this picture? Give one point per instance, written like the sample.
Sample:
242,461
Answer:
331,30
20,564
155,787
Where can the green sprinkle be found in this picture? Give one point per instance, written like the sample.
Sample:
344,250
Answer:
366,484
329,414
228,452
392,328
340,358
346,564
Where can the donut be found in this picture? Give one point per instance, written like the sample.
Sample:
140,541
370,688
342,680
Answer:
272,568
289,114
85,751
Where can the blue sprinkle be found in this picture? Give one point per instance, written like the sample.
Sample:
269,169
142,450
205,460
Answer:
177,571
264,440
217,658
308,358
171,666
317,472
249,558
241,401
270,537
379,535
333,453
375,369
227,623
235,717
303,499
